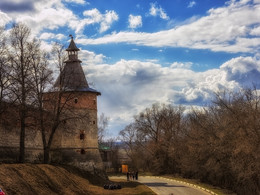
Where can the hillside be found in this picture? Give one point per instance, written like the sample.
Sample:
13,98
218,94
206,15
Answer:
41,179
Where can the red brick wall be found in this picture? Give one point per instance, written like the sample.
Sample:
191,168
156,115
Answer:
83,100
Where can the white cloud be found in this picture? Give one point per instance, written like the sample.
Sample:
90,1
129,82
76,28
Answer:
184,65
47,46
191,4
135,49
201,91
223,29
158,11
255,31
134,21
134,85
244,70
47,15
53,14
93,16
46,36
108,19
90,58
4,19
81,2
129,86
60,36
234,74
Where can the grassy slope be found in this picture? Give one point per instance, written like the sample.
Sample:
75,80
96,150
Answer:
34,179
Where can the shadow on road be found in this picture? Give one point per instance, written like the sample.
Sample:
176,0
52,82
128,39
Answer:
162,185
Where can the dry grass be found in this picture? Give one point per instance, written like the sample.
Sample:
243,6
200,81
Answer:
32,179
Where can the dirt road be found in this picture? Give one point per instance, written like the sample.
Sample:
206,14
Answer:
163,186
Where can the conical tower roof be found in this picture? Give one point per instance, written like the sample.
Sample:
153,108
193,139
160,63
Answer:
72,46
72,77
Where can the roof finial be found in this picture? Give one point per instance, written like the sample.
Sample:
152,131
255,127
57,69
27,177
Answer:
71,36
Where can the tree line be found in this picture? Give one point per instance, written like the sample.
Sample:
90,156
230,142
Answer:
25,76
218,144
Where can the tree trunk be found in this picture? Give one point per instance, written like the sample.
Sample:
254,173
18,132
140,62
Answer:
46,155
22,138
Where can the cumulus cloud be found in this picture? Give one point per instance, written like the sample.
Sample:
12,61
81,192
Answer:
225,29
90,58
46,15
201,91
244,70
133,85
129,86
53,14
234,74
93,16
134,21
158,11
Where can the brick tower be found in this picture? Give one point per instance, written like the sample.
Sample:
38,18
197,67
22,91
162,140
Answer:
76,139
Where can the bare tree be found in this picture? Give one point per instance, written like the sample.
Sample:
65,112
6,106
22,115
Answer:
155,131
222,142
52,104
41,81
20,76
134,147
102,127
218,144
4,72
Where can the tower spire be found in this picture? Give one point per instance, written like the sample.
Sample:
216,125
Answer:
72,50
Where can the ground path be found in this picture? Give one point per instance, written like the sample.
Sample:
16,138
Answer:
163,186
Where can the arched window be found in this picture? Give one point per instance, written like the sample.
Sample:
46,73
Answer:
82,136
82,151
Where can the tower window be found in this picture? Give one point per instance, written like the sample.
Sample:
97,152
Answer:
76,100
82,151
94,122
82,136
94,102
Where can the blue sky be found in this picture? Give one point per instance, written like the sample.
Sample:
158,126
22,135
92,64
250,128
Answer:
140,52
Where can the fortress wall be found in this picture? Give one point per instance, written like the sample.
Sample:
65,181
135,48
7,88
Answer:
10,144
75,141
10,137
